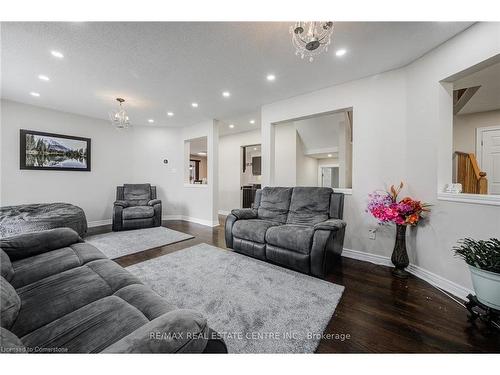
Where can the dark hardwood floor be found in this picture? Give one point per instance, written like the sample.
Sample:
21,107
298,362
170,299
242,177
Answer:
380,314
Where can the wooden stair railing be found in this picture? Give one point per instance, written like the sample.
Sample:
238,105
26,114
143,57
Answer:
473,180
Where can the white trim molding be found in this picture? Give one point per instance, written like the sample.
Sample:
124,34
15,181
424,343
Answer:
436,281
345,191
207,223
98,223
367,257
492,200
439,282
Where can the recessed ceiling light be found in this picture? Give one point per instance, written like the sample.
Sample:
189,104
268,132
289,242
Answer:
255,148
231,126
151,120
170,114
226,94
43,77
340,52
194,105
252,122
271,77
330,155
57,54
35,94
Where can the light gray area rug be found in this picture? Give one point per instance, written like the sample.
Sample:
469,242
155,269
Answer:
256,306
118,244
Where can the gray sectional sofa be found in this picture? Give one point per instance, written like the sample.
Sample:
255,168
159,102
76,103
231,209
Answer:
60,294
300,228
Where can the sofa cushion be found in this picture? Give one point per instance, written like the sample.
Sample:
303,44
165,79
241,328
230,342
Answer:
309,205
145,300
138,212
291,259
137,194
250,248
274,204
253,229
35,268
29,244
10,304
52,297
292,237
6,266
10,343
89,329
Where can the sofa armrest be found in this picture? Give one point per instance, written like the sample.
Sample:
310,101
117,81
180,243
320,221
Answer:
178,331
152,202
330,224
244,213
121,203
30,244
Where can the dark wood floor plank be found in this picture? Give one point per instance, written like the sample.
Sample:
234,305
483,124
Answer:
380,313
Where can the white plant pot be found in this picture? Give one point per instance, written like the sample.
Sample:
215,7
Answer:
487,286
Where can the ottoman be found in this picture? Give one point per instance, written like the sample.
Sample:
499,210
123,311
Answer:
36,217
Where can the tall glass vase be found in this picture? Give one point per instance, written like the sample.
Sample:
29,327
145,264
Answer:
399,255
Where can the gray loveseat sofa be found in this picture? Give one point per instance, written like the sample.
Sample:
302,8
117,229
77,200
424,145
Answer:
60,294
300,228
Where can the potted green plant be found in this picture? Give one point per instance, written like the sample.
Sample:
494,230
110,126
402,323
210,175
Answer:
483,258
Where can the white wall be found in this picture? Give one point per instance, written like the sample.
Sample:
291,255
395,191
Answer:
429,124
464,128
200,202
230,167
247,177
94,191
128,156
403,131
285,155
150,147
307,168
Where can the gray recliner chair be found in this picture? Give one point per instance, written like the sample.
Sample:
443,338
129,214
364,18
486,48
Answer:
299,228
136,207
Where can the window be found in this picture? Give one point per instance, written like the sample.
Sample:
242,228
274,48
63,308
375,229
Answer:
315,151
196,165
476,132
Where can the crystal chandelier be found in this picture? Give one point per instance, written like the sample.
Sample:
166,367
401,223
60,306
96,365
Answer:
119,118
311,38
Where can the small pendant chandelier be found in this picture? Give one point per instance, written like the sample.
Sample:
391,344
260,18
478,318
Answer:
311,38
119,118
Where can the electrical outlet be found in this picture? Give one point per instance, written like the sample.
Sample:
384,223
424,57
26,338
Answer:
372,234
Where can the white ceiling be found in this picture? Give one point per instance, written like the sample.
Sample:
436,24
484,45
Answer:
320,134
198,145
164,66
487,98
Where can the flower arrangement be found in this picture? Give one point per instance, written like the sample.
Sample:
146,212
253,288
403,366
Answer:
384,206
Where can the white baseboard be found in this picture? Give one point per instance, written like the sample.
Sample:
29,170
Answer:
225,213
433,279
439,282
207,223
367,257
98,223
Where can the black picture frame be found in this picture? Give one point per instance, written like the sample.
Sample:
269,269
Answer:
22,151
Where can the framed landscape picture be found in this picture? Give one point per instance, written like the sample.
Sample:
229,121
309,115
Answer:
48,151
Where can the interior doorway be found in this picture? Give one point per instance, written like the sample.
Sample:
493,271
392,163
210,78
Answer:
488,146
250,173
329,176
